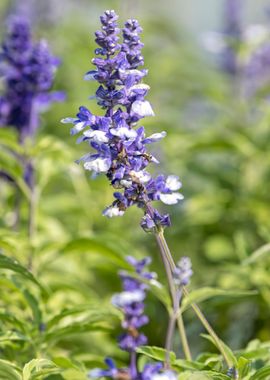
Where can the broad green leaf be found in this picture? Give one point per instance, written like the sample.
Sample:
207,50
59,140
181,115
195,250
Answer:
203,294
259,254
8,371
156,353
262,374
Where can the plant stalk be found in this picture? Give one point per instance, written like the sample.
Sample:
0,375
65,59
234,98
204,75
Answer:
194,306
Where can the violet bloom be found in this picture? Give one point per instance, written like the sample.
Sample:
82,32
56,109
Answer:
257,72
155,372
119,144
131,302
233,35
28,72
183,272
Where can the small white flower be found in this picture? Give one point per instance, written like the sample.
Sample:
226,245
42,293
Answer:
99,165
142,108
127,298
173,183
171,199
98,136
112,211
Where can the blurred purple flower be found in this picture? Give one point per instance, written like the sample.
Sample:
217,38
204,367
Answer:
232,35
28,72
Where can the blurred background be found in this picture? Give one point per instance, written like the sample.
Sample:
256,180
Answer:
217,142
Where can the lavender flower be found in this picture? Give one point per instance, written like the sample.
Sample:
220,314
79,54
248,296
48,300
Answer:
183,272
28,72
130,301
121,148
154,372
233,36
112,372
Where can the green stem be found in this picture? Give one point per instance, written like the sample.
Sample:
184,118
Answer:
195,307
176,315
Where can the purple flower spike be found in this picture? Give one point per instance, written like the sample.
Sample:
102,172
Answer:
28,72
233,35
130,301
120,145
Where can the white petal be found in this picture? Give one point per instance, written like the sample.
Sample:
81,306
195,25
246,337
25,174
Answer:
171,199
96,373
173,183
126,183
167,375
98,136
78,127
156,136
90,75
140,86
68,120
113,211
99,165
142,108
142,176
127,298
123,132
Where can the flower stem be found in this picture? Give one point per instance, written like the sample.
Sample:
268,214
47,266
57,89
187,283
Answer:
176,302
195,307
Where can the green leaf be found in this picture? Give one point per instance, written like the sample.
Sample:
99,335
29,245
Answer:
203,375
202,294
262,374
8,371
12,336
76,328
228,351
258,254
243,366
94,246
39,367
13,265
156,353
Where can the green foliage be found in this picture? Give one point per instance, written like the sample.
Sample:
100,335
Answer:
56,321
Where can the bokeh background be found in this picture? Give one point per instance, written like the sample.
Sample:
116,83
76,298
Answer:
217,143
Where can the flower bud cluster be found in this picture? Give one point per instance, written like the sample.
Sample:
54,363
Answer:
28,72
120,146
183,271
